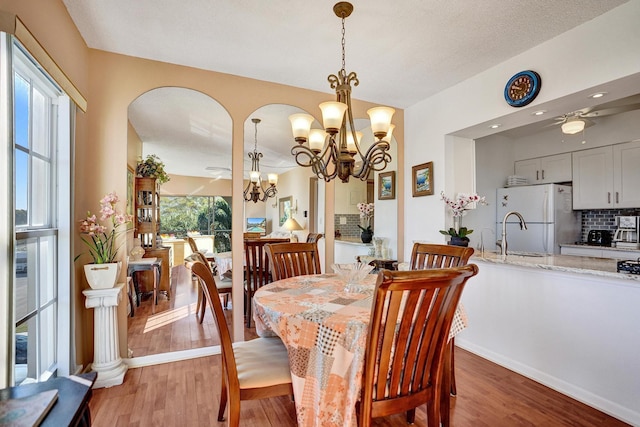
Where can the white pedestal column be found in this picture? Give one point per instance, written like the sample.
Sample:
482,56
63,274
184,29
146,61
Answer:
106,350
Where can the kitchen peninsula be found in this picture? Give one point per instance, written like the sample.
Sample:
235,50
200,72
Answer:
348,248
568,322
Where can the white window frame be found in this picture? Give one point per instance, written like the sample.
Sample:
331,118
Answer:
61,198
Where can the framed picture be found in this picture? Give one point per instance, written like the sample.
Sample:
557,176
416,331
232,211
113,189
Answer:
387,185
130,189
422,179
284,204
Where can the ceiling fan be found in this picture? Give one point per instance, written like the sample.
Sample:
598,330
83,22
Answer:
577,121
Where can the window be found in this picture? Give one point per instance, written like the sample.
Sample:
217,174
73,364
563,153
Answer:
207,215
41,129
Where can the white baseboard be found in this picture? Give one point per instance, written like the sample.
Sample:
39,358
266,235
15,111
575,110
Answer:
174,356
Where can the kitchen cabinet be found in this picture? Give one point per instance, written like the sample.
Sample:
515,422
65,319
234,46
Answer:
607,177
545,170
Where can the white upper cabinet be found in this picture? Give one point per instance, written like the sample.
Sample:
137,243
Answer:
607,177
545,170
626,174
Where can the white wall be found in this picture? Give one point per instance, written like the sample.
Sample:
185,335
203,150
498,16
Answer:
607,50
545,325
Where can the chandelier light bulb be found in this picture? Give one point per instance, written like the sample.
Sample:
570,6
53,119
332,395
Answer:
300,124
273,178
380,120
387,137
351,145
332,115
316,139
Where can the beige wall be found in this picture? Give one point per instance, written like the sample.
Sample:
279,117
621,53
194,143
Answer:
180,185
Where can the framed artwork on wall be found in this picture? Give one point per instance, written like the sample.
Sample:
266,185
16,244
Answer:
284,205
387,185
422,179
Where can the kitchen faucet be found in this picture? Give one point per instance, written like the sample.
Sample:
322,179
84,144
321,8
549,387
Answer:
503,242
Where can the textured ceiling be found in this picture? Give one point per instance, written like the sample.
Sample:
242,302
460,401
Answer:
403,51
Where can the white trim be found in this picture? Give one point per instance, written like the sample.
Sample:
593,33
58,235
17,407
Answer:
174,356
6,188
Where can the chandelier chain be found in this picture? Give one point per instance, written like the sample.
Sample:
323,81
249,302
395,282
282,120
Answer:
343,46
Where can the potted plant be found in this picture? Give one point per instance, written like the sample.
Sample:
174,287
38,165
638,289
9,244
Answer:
152,167
366,213
462,203
459,237
101,241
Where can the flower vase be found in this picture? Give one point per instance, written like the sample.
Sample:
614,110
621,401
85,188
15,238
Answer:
102,276
137,252
366,236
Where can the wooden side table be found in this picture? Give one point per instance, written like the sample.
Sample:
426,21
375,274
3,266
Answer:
145,264
72,406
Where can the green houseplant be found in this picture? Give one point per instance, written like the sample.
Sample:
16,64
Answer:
152,167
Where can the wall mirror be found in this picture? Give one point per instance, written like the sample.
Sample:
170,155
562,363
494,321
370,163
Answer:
191,133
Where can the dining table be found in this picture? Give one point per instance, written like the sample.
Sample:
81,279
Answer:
324,323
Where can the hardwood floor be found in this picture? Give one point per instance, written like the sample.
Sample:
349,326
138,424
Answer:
187,393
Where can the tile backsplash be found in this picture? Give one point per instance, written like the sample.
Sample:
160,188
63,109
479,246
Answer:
602,219
350,229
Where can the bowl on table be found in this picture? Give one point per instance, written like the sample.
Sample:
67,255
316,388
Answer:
353,275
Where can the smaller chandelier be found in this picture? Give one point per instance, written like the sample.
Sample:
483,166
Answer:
256,190
332,152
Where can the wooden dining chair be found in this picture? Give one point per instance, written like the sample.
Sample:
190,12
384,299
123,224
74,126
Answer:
426,256
314,237
251,235
225,287
293,259
256,267
406,346
255,369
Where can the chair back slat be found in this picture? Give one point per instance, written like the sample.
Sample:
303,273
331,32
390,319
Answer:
293,259
411,316
427,255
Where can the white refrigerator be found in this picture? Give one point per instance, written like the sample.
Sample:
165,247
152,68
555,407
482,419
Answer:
547,210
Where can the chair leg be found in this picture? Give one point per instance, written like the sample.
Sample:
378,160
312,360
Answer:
247,309
411,416
203,306
223,399
453,369
445,396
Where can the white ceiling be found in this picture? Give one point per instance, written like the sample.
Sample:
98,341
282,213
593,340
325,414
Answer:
403,52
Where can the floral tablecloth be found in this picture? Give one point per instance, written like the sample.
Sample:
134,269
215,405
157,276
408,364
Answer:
324,328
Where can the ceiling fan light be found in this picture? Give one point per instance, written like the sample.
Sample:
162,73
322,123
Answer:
573,126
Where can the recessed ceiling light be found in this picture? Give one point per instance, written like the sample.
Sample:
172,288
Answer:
597,95
539,112
495,126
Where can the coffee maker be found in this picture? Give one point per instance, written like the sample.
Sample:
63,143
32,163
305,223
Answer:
627,232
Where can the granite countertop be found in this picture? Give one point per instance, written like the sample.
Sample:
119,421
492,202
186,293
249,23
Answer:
352,241
602,267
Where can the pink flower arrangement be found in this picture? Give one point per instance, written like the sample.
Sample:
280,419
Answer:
462,202
102,238
366,213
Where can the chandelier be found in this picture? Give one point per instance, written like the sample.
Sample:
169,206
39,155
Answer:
256,185
332,151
